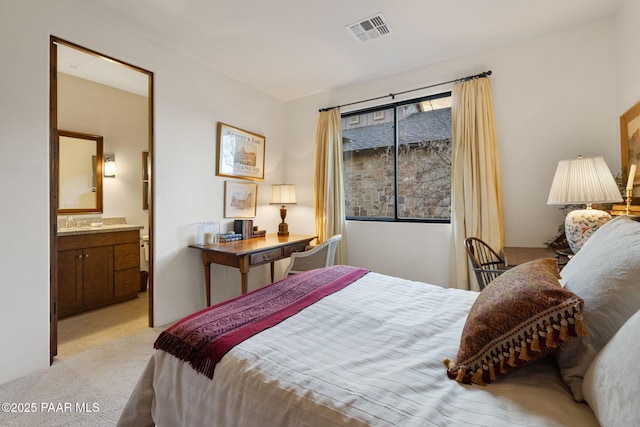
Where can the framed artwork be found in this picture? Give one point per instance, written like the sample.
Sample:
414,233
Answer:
240,199
630,148
240,153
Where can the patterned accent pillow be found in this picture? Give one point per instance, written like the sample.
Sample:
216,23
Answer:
520,317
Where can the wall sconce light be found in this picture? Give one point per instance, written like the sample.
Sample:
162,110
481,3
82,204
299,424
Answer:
109,166
282,194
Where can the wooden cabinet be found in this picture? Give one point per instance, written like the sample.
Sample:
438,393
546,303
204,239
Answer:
127,269
69,282
97,269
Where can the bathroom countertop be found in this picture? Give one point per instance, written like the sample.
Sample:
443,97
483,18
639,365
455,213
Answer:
102,229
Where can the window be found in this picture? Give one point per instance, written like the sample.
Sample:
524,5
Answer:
397,161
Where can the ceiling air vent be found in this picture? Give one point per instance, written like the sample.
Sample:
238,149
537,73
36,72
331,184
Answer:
370,28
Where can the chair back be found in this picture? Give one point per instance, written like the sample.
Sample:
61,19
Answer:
322,255
333,246
485,262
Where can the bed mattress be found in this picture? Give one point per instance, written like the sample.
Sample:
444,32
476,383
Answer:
370,354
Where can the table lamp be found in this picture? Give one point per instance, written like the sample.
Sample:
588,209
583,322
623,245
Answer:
282,194
584,180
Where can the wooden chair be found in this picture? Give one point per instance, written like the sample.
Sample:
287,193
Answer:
322,255
486,263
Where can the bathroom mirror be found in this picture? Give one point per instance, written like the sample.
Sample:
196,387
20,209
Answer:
79,172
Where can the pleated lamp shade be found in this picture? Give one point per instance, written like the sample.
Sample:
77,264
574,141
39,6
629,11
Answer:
282,194
584,180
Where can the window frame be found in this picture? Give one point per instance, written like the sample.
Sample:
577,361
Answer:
394,106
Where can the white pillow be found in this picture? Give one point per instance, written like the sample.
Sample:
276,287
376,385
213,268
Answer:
612,383
605,273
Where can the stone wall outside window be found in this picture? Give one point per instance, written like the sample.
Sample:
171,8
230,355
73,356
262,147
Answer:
424,181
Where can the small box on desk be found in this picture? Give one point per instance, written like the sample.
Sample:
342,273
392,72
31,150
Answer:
619,210
633,209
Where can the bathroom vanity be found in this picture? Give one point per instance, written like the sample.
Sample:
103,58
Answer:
97,266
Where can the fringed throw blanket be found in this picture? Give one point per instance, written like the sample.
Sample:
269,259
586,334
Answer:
203,338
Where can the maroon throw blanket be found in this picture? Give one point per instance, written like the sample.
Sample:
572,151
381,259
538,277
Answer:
203,338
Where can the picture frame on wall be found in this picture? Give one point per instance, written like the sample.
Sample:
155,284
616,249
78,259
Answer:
240,199
240,153
630,148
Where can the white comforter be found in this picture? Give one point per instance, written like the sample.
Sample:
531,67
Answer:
368,355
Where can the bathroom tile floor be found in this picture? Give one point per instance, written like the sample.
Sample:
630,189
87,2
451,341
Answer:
94,328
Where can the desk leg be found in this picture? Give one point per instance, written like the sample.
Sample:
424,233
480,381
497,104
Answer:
272,266
245,281
207,282
244,273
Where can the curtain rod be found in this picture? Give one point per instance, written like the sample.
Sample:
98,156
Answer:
393,95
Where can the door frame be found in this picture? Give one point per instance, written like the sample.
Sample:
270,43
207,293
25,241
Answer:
53,182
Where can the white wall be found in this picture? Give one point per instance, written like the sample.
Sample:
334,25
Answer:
189,101
627,40
554,98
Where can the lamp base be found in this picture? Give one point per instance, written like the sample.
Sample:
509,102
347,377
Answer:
283,229
580,224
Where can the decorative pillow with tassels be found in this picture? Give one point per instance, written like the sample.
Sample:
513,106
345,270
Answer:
520,317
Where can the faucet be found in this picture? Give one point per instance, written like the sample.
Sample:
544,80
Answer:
69,221
79,223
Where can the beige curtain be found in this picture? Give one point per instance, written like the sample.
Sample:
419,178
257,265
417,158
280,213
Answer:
328,187
476,193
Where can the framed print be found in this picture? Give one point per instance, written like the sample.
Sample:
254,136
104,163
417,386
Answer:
240,153
630,148
240,199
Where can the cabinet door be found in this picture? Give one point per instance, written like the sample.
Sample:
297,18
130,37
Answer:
69,282
97,275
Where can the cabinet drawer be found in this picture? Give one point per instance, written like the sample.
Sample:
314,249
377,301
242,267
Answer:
300,247
126,256
126,282
266,256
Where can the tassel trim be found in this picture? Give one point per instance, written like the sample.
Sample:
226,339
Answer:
517,348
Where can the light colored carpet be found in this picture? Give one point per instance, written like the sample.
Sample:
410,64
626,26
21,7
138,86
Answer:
86,389
94,328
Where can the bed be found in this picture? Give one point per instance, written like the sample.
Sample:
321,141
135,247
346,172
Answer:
371,352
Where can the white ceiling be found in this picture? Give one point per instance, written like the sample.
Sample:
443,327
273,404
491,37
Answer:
294,48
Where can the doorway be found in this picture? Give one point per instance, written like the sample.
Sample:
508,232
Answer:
73,63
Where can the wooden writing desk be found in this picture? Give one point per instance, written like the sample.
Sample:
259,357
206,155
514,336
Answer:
244,254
